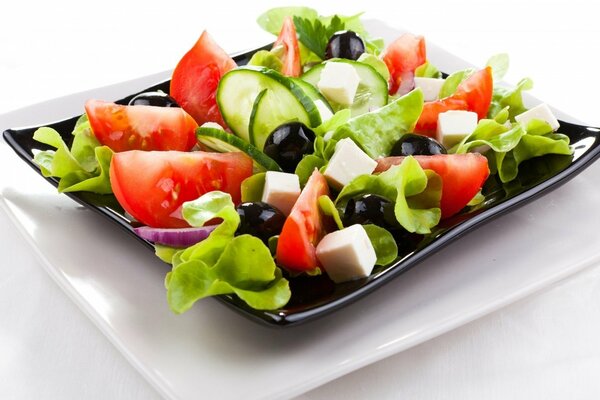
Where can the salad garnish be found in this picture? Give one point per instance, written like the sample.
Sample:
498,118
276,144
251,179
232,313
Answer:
330,154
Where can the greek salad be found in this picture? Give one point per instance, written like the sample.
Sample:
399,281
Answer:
328,154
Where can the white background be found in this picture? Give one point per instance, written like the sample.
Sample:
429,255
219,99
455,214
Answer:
545,346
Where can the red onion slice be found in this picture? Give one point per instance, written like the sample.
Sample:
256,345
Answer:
407,83
182,237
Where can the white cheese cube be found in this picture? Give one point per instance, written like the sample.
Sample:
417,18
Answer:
338,82
347,254
430,87
324,110
348,162
541,111
281,190
454,125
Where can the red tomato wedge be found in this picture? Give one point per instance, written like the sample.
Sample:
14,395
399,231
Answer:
152,185
303,228
196,77
462,175
291,56
402,57
141,127
473,94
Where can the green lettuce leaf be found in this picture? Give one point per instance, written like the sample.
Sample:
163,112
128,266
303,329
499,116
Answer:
84,167
427,70
272,20
377,64
416,193
268,59
488,132
339,118
306,167
452,82
252,187
512,98
383,242
513,144
499,64
223,263
377,131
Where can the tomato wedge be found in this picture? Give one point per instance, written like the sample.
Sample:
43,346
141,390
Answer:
152,185
303,228
141,127
462,175
402,57
291,56
473,94
196,77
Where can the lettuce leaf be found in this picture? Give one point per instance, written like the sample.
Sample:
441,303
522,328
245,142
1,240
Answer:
512,98
499,64
452,82
416,193
427,70
511,145
377,64
382,240
84,167
267,59
272,20
377,131
223,263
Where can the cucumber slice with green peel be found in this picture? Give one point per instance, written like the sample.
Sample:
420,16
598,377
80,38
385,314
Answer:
236,97
372,92
224,142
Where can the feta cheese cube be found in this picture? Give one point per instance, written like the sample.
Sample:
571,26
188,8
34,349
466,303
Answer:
454,125
347,254
281,190
541,111
348,162
324,110
339,82
430,87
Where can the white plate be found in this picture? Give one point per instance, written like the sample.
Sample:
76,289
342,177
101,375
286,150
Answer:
213,352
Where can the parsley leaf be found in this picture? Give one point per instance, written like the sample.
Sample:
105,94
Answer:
314,34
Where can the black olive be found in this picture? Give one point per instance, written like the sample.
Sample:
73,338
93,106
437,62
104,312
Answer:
259,219
417,145
344,44
288,143
371,209
157,99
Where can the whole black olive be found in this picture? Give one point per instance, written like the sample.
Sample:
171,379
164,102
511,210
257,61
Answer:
157,99
288,143
417,145
371,209
345,44
259,219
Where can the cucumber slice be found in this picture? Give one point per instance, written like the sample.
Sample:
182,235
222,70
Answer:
224,142
237,98
372,92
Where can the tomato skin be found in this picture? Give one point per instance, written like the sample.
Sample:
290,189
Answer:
402,57
303,228
152,185
477,91
462,175
473,94
289,40
196,77
125,128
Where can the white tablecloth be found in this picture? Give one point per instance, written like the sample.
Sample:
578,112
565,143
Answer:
545,346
